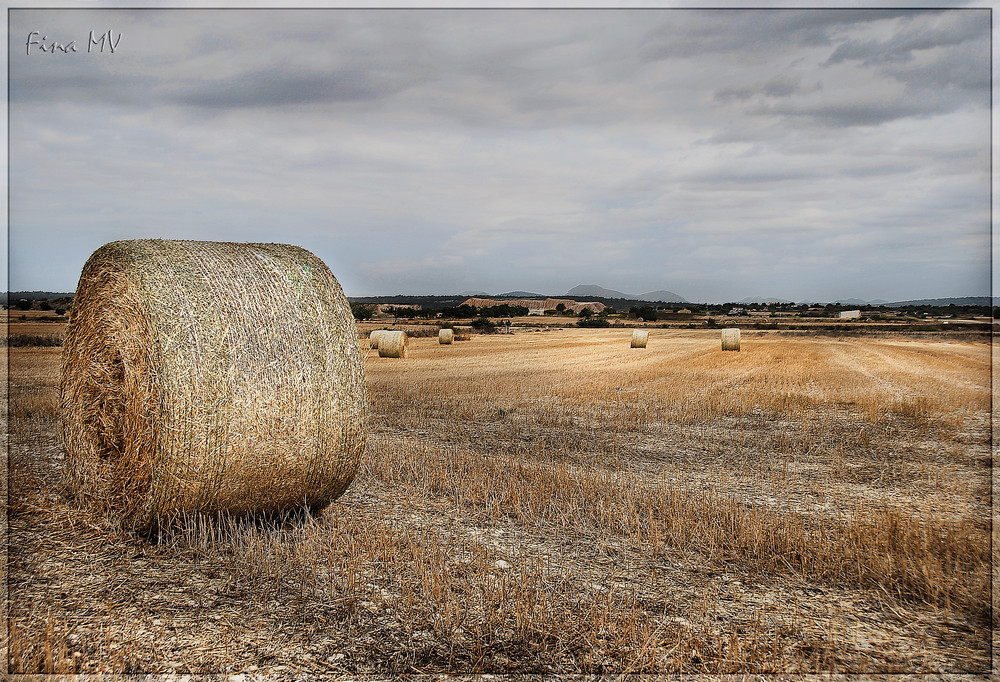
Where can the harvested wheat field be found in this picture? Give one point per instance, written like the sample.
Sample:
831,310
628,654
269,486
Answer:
551,502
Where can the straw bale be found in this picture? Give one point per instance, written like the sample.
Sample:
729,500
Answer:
446,336
210,377
375,336
393,344
639,338
731,339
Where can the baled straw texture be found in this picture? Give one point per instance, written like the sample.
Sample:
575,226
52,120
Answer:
208,377
446,336
731,339
639,338
375,336
392,344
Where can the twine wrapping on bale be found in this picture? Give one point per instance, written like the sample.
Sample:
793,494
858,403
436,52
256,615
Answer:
375,336
392,344
210,377
446,336
639,338
731,339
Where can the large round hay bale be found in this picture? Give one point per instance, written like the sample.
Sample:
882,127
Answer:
731,339
393,344
446,336
639,338
209,377
375,336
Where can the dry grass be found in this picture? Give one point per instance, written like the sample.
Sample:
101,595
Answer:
552,503
27,339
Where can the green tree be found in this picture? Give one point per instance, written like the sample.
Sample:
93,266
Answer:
645,313
483,325
459,311
362,311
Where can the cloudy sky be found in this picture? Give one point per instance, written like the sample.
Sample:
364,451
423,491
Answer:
808,155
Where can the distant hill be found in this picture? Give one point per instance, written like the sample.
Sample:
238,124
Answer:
601,292
763,299
520,294
472,292
858,301
661,295
964,300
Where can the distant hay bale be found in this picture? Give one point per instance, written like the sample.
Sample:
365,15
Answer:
210,377
374,337
393,344
446,336
731,339
639,338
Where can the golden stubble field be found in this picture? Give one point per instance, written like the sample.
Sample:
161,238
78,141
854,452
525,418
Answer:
557,502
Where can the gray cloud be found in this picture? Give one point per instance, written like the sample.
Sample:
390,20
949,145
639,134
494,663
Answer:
276,87
916,34
752,31
640,149
777,87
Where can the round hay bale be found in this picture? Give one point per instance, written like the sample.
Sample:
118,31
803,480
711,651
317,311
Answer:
210,377
731,339
393,344
374,337
446,336
639,338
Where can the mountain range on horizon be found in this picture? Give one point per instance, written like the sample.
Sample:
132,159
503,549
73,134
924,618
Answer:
595,290
585,290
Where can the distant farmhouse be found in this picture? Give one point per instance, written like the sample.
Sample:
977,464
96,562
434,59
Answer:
848,314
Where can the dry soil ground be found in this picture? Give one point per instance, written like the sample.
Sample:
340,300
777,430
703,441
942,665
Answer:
557,502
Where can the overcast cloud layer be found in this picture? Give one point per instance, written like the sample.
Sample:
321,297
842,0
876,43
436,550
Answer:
809,155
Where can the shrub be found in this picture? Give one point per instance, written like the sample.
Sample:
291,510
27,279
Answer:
483,326
593,322
405,313
503,310
362,311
